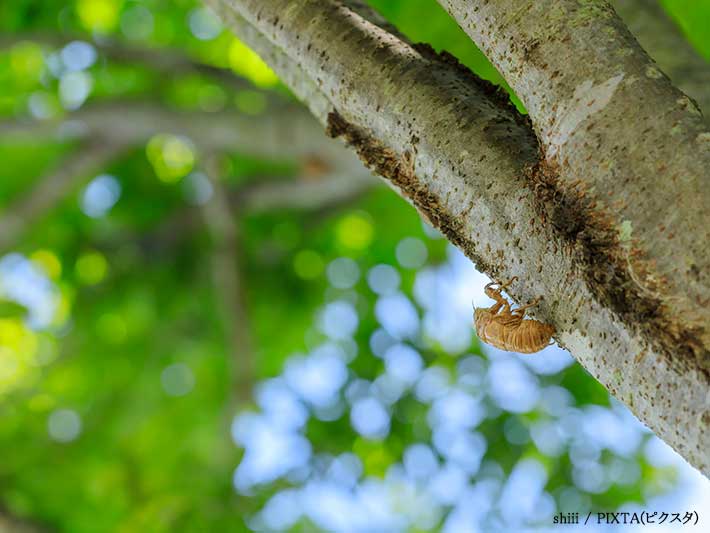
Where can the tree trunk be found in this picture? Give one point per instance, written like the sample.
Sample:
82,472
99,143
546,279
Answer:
606,217
665,43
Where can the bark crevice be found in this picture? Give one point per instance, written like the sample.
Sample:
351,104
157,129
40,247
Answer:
605,261
457,150
398,169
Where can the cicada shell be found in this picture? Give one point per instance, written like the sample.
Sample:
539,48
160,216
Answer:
508,329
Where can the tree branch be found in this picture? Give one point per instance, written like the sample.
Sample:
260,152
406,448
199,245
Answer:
265,196
280,135
665,43
165,60
457,151
226,274
637,173
10,523
54,187
300,194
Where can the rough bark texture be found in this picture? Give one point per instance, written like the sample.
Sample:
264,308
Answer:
460,153
665,43
606,115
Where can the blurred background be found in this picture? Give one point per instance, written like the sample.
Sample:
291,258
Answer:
212,318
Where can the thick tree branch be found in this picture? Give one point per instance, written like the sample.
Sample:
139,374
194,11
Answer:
452,146
302,85
662,39
606,115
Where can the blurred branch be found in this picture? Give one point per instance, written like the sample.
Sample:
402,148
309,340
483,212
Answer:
661,37
165,60
229,290
300,194
274,135
10,523
220,215
54,187
266,195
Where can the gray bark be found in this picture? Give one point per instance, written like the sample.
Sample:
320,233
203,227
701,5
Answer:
665,43
606,115
460,153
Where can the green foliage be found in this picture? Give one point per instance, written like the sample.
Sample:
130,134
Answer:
115,412
692,16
